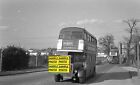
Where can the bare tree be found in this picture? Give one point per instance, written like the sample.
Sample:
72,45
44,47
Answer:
106,42
132,30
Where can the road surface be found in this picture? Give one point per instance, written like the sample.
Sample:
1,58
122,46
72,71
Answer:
45,78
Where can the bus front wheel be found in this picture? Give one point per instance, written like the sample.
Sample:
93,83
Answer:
75,79
57,78
82,76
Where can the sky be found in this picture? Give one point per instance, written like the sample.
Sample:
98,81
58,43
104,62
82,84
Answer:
36,23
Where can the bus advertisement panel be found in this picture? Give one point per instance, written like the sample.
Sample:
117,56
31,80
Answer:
59,64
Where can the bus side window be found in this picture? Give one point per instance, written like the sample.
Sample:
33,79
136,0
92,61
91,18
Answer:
88,38
92,39
85,36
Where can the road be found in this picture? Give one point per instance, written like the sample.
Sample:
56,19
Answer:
45,78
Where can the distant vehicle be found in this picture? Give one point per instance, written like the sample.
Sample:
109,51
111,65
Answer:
113,57
82,47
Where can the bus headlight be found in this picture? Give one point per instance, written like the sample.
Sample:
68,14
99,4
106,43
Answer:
75,71
59,44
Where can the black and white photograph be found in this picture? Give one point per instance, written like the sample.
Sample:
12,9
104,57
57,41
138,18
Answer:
69,42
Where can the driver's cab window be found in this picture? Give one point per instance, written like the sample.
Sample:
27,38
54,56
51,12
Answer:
76,57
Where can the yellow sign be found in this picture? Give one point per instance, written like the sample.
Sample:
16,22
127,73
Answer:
54,57
59,64
59,68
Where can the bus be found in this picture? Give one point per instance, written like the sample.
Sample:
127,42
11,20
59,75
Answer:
82,47
113,56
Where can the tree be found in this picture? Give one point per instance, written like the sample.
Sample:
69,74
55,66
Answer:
132,30
106,43
14,58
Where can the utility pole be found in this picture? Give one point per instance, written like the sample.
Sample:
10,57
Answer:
36,63
138,49
120,53
138,59
1,55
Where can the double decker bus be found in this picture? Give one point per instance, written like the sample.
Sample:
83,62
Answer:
82,47
113,56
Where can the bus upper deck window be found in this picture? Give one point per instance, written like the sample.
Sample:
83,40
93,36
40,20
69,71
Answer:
76,35
67,35
60,36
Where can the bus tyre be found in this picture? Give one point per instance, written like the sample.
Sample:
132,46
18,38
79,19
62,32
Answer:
74,79
57,78
82,76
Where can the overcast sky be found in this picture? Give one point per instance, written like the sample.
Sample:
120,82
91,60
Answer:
36,23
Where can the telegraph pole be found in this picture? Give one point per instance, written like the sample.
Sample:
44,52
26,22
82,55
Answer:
138,56
36,62
138,59
1,55
120,53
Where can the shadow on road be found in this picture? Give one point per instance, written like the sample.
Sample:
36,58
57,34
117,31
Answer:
67,80
101,77
133,74
111,76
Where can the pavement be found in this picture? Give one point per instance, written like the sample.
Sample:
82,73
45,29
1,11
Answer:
135,78
118,75
114,76
7,73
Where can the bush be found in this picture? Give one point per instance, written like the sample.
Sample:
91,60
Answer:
14,58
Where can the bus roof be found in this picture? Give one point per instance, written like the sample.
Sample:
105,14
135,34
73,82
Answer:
72,29
75,29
